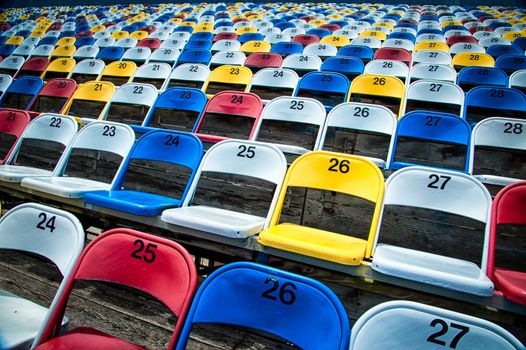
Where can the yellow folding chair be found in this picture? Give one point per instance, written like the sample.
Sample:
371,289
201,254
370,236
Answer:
118,72
255,46
139,34
97,28
89,100
120,34
466,59
236,78
336,40
384,90
375,34
431,45
334,173
15,40
65,41
511,36
66,51
59,68
246,29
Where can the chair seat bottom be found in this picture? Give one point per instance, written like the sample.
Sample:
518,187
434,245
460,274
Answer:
87,338
320,244
512,284
137,203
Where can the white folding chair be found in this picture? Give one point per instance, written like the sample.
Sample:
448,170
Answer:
24,50
175,44
445,192
42,51
165,55
11,64
130,103
385,327
320,50
232,58
517,80
437,96
70,178
259,161
301,63
431,71
387,67
487,42
189,75
225,45
45,138
86,52
373,43
104,42
269,83
432,57
126,42
465,47
152,73
277,38
50,233
87,70
137,54
349,123
399,44
5,81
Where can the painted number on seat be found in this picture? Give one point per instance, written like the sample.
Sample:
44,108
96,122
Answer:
144,252
246,152
285,292
55,122
338,165
443,329
511,128
438,181
172,140
108,131
46,223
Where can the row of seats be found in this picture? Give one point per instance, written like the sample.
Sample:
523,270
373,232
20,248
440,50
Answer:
294,308
97,165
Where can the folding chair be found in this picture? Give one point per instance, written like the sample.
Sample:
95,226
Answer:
287,48
86,52
12,124
498,151
431,57
431,45
494,41
229,114
434,96
5,82
329,88
387,68
384,326
371,42
470,77
361,129
11,65
21,93
86,70
85,41
399,43
126,43
130,104
33,67
39,147
293,124
118,73
269,83
137,54
517,80
364,53
395,54
6,50
102,145
23,50
302,64
104,42
251,160
59,68
259,60
234,78
188,75
432,139
196,56
431,71
321,50
225,45
164,55
151,43
504,265
49,233
155,74
224,58
510,63
53,97
466,59
349,66
431,194
387,91
485,101
347,175
307,308
168,159
158,260
89,100
110,54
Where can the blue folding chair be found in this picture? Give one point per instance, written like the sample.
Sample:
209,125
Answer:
158,156
434,139
66,33
349,66
201,36
48,40
286,48
405,36
470,77
319,32
198,44
329,88
485,101
365,53
87,40
511,63
6,50
520,42
110,54
195,56
295,308
177,108
21,92
243,38
498,50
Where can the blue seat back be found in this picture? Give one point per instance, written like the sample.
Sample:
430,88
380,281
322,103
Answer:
286,48
329,88
432,127
182,99
486,101
470,77
319,32
48,40
511,63
113,53
399,35
198,44
28,86
520,42
87,40
243,38
195,56
365,53
6,49
166,146
429,31
346,65
293,307
67,33
188,29
201,36
498,50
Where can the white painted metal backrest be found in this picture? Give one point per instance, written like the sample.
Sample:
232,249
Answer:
135,93
12,62
165,54
518,79
436,91
319,49
432,71
466,47
431,56
226,45
399,43
86,51
235,58
136,54
275,77
126,42
42,51
373,43
154,70
301,61
387,67
5,81
103,42
190,72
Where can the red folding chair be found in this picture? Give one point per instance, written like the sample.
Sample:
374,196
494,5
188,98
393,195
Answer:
154,265
468,39
506,267
306,39
224,36
53,97
12,124
152,43
260,60
390,53
33,67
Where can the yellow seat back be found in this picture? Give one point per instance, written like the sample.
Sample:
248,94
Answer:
246,29
239,77
378,85
374,34
120,34
15,40
336,40
121,69
59,65
63,51
65,41
431,45
139,34
96,91
466,59
255,46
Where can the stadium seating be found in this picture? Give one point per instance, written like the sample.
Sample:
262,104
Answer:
270,83
86,70
118,73
386,91
11,65
130,103
470,77
53,96
90,100
485,101
59,68
155,73
21,93
227,77
436,96
190,75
